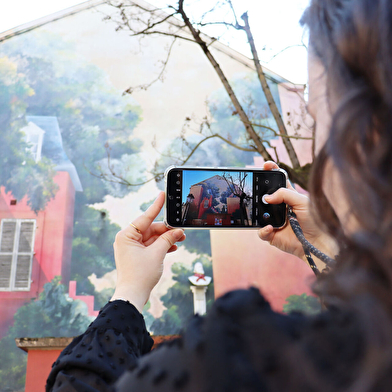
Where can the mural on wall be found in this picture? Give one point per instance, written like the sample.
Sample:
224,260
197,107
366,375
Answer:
69,140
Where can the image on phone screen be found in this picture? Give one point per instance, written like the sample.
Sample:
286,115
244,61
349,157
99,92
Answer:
223,198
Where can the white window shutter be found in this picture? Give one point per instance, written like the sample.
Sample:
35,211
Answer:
5,271
22,274
16,253
26,237
8,236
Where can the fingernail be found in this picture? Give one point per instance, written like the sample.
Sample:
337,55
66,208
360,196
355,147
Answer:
159,195
268,197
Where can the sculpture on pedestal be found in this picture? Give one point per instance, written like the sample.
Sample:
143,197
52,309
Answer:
199,288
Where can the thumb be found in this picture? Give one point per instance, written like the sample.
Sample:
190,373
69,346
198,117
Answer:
167,240
288,196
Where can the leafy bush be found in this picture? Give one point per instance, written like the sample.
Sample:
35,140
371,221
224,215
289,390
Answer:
302,303
53,314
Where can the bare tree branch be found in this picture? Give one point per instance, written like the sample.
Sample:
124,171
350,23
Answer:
302,45
244,118
130,90
219,137
148,22
234,14
218,23
271,102
113,177
280,135
119,180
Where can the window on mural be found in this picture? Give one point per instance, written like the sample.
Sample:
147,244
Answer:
34,136
16,253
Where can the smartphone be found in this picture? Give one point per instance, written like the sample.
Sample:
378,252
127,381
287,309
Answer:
219,197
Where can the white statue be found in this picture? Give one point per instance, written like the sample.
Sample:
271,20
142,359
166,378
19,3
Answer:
198,278
199,287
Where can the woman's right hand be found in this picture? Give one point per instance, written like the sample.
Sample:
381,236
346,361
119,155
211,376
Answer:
285,239
139,252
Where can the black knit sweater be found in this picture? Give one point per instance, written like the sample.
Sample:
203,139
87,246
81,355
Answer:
241,345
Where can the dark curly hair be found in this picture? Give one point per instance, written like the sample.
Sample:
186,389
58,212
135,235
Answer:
353,40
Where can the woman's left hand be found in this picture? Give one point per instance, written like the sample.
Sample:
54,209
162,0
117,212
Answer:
139,252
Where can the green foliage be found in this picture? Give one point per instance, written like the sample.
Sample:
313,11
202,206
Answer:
96,121
96,124
44,76
302,303
13,362
179,299
19,172
37,179
148,317
92,249
102,297
52,314
198,241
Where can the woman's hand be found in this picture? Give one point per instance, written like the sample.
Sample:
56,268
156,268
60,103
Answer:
139,252
285,239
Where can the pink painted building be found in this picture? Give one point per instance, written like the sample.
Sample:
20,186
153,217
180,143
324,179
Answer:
34,248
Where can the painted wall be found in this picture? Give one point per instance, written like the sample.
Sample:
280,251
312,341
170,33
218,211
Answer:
241,260
76,69
52,246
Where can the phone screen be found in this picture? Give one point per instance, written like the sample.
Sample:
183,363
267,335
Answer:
214,198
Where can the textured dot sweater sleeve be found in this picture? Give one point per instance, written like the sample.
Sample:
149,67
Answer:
96,359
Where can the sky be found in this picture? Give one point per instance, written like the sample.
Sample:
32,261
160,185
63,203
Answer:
274,23
192,177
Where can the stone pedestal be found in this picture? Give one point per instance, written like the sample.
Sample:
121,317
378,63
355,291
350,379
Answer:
199,299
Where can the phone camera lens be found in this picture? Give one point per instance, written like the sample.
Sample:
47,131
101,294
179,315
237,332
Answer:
266,216
266,182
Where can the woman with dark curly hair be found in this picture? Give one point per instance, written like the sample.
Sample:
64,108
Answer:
242,345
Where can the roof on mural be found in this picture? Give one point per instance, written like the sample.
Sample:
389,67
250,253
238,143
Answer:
52,147
219,46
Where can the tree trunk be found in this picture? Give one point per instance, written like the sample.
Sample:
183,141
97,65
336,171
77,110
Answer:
243,116
270,99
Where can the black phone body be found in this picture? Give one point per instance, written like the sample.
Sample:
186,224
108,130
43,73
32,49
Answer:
206,197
